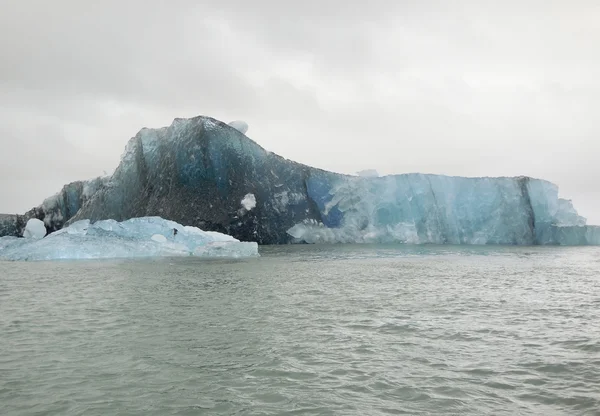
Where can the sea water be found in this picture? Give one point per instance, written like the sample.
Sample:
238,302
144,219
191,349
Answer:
314,330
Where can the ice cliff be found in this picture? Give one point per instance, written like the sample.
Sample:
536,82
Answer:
137,237
416,209
197,171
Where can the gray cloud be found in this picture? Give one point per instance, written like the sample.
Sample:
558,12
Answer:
471,88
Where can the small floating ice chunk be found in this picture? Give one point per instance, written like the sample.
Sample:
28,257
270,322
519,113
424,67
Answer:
35,229
249,202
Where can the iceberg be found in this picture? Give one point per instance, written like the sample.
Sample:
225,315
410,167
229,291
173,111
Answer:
137,237
204,173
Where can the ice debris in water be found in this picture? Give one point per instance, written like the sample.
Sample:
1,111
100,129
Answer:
249,202
240,126
137,237
34,229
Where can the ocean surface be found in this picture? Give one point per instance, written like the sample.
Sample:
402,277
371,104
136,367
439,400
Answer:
306,330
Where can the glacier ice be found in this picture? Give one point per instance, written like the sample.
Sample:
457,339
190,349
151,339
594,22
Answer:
159,238
34,229
198,171
240,126
58,208
137,237
368,173
249,202
419,209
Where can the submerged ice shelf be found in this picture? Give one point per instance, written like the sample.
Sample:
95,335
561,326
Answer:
137,237
204,173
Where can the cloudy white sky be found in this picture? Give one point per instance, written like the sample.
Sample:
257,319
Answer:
470,88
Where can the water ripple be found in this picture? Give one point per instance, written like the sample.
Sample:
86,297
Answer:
306,330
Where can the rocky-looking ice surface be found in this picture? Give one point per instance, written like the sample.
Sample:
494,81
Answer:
204,173
137,237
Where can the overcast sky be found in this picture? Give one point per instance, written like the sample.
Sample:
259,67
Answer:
470,88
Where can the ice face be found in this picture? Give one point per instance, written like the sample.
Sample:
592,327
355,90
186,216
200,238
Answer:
34,229
11,242
137,237
196,172
418,208
58,208
569,235
9,225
